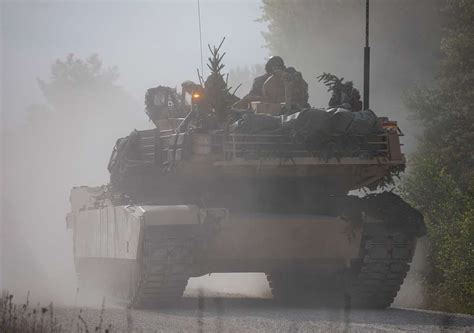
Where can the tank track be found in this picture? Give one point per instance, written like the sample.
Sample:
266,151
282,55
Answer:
372,282
163,271
376,279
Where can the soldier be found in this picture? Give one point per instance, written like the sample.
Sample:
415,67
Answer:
347,97
273,64
298,88
269,87
256,93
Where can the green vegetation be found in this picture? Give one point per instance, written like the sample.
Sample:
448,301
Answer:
15,318
441,178
74,79
80,91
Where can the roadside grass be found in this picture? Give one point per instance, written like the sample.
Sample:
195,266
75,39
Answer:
20,318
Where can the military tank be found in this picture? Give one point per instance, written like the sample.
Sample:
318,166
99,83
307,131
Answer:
264,188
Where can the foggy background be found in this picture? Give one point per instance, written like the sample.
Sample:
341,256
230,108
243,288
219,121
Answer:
46,150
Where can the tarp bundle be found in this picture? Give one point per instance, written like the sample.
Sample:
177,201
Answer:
311,122
327,133
254,123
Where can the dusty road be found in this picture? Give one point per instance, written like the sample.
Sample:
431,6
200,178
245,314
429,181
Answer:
263,315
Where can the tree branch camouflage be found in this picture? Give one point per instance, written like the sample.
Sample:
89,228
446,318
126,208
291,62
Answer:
216,85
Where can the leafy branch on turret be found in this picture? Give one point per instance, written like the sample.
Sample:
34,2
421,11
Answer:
331,81
218,92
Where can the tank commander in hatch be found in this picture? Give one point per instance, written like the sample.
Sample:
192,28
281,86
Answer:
273,65
270,87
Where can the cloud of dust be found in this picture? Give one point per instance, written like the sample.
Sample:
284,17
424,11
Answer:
412,292
54,151
46,151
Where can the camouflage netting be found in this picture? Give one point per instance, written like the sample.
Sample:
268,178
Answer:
161,103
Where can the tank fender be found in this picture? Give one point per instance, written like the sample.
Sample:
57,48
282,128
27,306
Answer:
386,207
396,213
180,215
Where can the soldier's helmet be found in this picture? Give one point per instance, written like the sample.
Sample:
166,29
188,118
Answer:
273,63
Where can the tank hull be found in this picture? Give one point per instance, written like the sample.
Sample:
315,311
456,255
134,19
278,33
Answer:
146,254
280,208
233,243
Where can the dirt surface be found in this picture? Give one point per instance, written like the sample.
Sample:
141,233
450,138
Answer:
226,314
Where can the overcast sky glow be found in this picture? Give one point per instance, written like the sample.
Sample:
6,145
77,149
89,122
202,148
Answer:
152,43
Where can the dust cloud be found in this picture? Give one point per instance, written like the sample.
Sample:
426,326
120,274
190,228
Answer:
45,151
54,151
412,292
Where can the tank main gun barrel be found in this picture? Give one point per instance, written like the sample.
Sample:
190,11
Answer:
366,58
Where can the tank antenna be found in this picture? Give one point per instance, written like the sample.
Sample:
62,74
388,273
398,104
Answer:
200,36
366,58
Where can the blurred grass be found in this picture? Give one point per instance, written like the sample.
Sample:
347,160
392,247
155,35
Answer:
16,318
